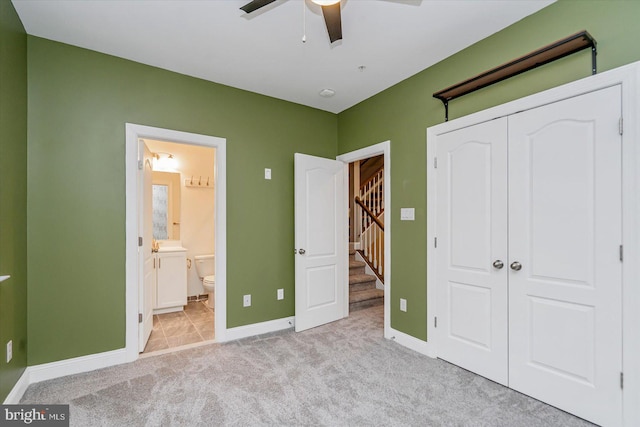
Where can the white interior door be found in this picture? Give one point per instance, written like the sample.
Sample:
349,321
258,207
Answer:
145,256
471,245
565,337
321,241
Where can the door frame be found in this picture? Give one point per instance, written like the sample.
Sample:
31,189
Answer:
134,132
382,148
628,77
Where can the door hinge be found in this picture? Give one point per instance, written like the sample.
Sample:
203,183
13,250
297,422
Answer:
435,163
139,241
620,125
435,321
139,317
621,253
621,380
140,165
435,242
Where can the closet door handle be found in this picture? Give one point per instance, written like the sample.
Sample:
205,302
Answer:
497,264
516,266
302,251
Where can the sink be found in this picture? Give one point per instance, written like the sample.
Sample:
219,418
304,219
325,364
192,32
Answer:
171,246
172,249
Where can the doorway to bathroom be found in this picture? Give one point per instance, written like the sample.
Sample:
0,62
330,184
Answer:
181,266
177,221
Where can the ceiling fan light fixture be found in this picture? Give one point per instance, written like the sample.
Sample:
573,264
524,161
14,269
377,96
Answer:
325,2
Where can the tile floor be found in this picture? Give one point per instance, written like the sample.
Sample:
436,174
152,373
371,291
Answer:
193,324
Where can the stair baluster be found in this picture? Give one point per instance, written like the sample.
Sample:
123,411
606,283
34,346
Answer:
369,209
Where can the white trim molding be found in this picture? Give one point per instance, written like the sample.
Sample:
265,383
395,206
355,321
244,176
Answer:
76,365
412,343
16,393
628,77
134,133
246,331
61,368
382,148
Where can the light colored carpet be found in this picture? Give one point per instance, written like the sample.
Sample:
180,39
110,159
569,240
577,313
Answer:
341,374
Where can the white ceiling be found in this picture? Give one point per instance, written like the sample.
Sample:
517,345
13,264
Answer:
263,52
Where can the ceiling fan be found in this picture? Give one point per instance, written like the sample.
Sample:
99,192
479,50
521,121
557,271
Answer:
330,11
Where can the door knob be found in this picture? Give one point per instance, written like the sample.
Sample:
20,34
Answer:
516,266
498,264
301,251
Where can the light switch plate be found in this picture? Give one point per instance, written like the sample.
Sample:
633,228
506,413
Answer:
267,173
403,304
9,351
407,214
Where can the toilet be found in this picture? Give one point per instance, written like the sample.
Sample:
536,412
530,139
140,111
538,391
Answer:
206,268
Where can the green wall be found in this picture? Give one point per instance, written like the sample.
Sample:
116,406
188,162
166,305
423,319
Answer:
79,102
403,112
13,195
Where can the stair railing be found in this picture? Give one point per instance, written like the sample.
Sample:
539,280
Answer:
372,193
371,237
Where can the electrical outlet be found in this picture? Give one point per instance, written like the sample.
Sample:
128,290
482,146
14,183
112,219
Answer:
267,173
280,294
403,304
246,301
9,351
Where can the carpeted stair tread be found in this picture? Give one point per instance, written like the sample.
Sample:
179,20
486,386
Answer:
365,295
356,264
362,287
365,299
361,278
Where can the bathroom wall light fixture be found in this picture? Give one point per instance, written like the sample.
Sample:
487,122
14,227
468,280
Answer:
325,2
164,162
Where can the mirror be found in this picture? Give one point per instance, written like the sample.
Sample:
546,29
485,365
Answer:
166,205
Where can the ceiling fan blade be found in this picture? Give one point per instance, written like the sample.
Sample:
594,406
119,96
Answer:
255,5
333,21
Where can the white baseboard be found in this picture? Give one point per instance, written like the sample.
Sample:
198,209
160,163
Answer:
259,328
76,365
168,310
412,343
16,393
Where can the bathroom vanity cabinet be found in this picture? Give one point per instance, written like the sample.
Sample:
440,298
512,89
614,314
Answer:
171,280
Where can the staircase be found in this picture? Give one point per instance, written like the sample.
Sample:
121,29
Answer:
362,287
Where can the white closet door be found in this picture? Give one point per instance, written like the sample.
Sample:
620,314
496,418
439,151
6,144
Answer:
565,339
471,229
